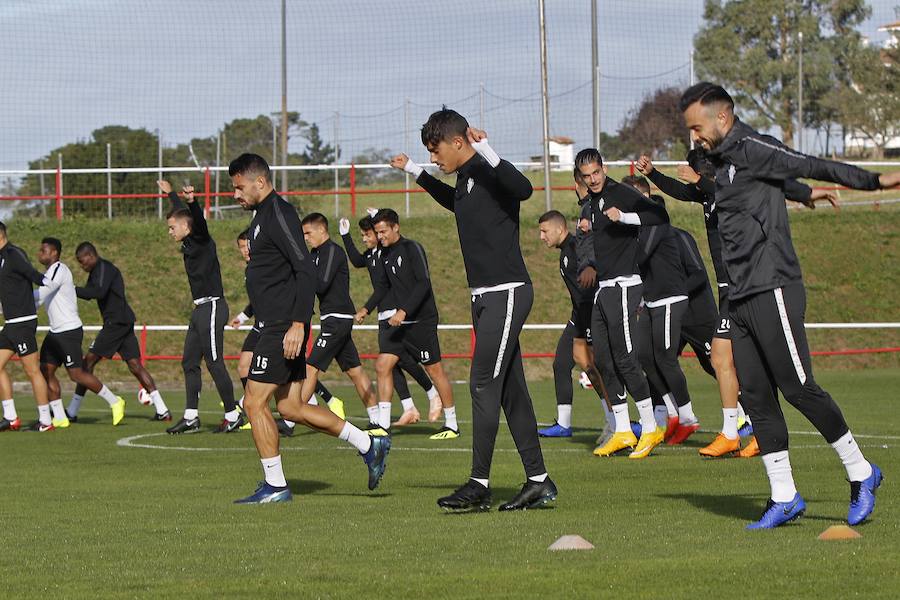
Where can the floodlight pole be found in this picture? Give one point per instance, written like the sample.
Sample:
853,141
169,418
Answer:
800,94
545,104
595,73
284,117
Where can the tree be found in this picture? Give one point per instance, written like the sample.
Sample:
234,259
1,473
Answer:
870,103
656,127
317,153
752,48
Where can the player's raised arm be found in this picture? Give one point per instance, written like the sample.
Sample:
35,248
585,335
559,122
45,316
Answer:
768,158
440,191
356,259
510,179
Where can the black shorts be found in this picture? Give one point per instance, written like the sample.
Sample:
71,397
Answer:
251,340
419,339
723,324
269,364
20,337
335,342
581,319
116,337
63,348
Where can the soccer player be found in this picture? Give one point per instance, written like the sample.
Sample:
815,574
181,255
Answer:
106,286
617,213
664,305
18,334
370,260
767,299
285,427
485,201
336,314
62,346
412,325
281,284
554,232
203,340
699,187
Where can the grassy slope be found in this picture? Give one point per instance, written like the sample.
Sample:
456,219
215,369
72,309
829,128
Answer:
86,518
850,263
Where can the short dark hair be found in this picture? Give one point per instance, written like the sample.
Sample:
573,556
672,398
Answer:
3,228
586,157
244,235
553,215
705,93
85,247
388,215
366,223
315,218
55,243
442,126
250,165
638,182
181,213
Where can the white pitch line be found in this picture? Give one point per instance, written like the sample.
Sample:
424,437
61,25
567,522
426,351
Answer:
131,442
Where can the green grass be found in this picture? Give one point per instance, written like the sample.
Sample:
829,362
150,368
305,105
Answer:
87,518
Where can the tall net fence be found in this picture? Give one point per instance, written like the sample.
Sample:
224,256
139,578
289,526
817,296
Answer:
105,97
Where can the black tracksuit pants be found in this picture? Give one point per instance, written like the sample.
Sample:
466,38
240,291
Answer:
563,363
615,354
497,379
771,354
204,341
661,361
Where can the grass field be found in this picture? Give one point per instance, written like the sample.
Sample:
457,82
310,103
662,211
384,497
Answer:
96,511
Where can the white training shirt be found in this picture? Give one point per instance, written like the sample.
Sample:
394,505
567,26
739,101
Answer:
59,296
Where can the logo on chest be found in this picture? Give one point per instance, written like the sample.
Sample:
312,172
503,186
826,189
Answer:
394,268
731,172
469,185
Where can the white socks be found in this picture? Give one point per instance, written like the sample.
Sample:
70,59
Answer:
232,415
374,413
431,393
729,423
44,414
273,471
192,413
314,401
450,418
686,414
290,424
107,395
408,404
661,413
671,407
645,410
778,468
158,402
357,437
9,410
75,404
858,468
620,413
564,415
483,482
384,414
610,417
538,478
56,406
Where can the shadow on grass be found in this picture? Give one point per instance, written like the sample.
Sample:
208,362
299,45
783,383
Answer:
740,506
306,486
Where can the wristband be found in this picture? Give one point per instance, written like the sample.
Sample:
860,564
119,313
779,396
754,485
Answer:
486,152
242,318
630,218
412,168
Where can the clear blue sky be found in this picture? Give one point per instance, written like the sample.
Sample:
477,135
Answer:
188,66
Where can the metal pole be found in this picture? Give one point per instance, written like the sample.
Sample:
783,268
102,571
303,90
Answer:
406,150
337,154
218,163
800,96
481,105
595,73
159,160
284,118
692,83
274,142
43,192
59,189
108,181
545,104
